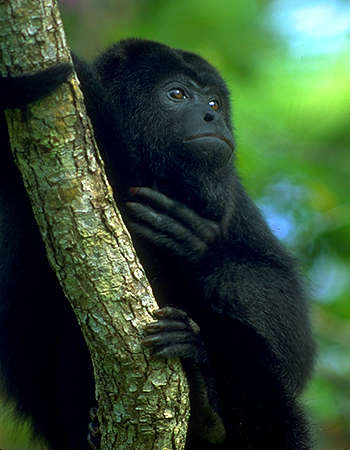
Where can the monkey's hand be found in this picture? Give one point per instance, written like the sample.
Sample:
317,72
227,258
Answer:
170,225
174,335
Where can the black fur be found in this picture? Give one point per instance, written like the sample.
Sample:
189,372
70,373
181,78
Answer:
231,302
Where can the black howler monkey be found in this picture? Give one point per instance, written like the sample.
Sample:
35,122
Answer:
232,306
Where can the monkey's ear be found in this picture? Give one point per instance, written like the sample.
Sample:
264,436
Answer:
16,92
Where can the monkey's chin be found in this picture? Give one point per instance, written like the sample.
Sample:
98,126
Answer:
209,151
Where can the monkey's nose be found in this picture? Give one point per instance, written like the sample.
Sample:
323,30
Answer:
209,117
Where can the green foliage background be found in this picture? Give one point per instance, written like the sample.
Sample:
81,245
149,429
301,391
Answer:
288,71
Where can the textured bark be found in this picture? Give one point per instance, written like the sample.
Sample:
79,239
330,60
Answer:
143,403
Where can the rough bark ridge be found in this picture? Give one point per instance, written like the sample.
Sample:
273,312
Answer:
142,403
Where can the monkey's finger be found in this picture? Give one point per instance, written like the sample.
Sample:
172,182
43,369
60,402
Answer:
165,324
188,252
204,228
166,225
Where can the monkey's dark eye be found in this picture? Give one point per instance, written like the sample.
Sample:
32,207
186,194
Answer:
214,104
177,94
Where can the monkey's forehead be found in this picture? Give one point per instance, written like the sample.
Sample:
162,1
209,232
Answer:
134,59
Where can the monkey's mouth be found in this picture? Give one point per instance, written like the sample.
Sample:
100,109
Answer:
212,135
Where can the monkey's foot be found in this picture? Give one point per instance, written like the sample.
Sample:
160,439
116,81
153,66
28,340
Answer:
94,436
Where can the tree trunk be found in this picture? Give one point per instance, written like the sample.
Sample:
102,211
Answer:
143,403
